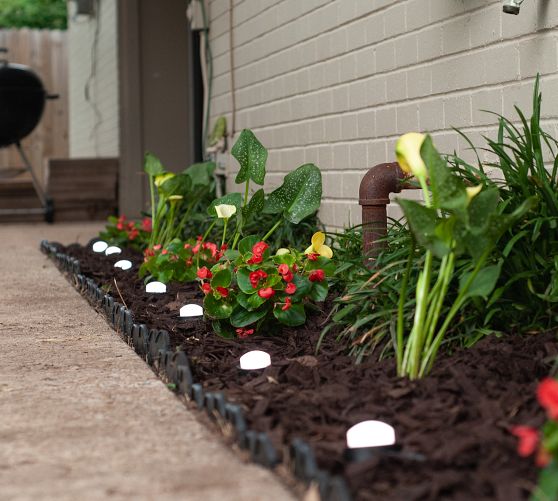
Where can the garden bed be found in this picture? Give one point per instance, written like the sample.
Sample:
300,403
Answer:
453,426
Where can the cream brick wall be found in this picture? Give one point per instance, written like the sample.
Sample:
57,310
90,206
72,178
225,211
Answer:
336,81
94,128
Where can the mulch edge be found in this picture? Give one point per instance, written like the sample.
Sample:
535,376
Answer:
174,368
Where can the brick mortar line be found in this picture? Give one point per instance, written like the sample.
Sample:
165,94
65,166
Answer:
440,22
423,64
394,104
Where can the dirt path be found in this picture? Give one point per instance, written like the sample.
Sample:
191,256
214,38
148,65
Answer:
81,416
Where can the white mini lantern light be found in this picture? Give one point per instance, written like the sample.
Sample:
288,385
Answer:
255,359
370,434
100,246
113,250
191,310
123,264
156,287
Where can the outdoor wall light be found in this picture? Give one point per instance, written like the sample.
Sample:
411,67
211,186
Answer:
156,288
255,359
123,264
100,246
113,250
191,310
512,6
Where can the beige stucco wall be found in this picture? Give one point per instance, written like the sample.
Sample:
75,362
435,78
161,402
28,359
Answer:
336,81
93,124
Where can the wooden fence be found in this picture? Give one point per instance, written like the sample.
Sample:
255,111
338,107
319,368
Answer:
46,53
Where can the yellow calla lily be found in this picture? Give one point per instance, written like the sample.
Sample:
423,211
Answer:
407,152
473,191
161,178
224,211
318,246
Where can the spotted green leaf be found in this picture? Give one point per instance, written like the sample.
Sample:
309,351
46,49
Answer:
252,156
299,196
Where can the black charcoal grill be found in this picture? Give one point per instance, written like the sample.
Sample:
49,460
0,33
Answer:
22,101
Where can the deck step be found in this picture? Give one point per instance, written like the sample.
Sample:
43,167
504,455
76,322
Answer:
17,194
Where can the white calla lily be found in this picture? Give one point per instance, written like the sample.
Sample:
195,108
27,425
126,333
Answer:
225,211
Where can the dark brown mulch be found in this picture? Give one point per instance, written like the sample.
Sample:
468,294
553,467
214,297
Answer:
457,419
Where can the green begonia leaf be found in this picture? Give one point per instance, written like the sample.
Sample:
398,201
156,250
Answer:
222,278
299,196
241,317
217,308
246,244
252,156
292,317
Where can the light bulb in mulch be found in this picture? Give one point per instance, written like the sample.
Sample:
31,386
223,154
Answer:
369,439
191,311
156,288
255,359
113,250
123,264
100,246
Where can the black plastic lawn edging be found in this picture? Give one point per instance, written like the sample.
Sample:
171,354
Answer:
174,368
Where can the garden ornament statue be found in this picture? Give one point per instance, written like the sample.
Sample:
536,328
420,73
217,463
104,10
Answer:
512,6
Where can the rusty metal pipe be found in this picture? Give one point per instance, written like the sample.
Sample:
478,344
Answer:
377,184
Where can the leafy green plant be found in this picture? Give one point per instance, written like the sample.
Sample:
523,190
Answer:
119,231
179,260
296,199
174,197
250,289
526,166
543,443
365,312
455,220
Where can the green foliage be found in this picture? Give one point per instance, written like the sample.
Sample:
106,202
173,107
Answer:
515,216
529,279
251,156
299,196
178,261
39,14
123,233
176,197
256,290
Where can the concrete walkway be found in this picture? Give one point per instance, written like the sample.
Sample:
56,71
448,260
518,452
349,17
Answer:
81,416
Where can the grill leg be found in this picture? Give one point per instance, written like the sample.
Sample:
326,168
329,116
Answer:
46,201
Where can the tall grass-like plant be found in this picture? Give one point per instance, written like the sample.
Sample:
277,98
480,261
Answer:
526,165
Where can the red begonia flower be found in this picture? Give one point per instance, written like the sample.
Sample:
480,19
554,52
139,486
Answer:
222,290
316,276
206,288
291,288
259,248
204,273
266,292
287,304
547,393
528,440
